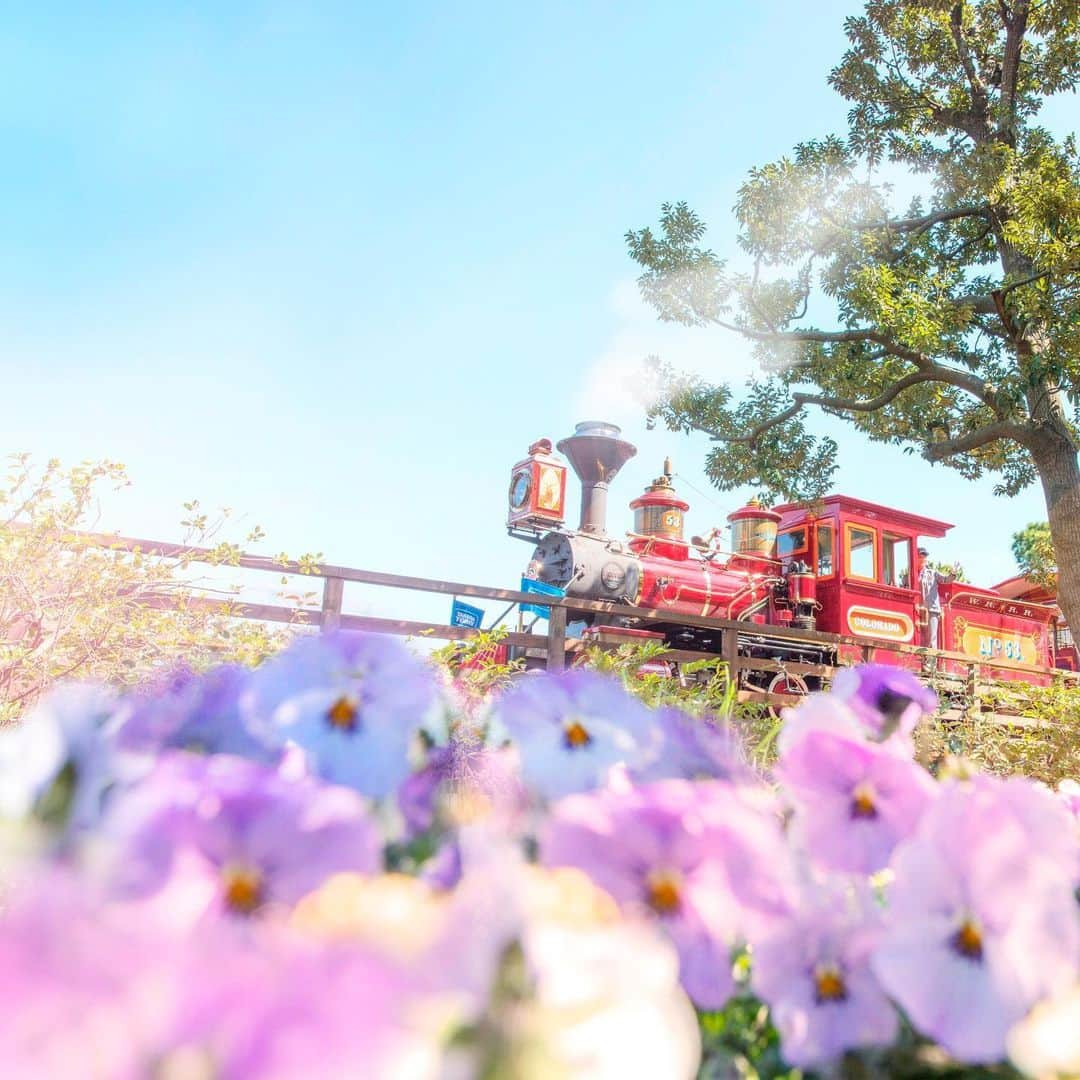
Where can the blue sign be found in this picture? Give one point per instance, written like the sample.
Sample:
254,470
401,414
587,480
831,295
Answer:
462,614
542,588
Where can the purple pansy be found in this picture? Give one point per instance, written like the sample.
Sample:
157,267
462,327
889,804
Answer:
59,759
444,869
854,801
886,699
231,836
696,857
1044,817
352,702
89,990
184,710
982,923
416,797
77,981
571,729
465,779
695,748
813,971
873,701
246,1007
1068,792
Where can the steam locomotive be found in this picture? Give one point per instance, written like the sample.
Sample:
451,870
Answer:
844,566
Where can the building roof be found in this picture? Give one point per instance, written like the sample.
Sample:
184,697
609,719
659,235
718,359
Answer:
1022,588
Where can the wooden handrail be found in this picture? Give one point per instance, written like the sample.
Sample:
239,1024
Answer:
334,577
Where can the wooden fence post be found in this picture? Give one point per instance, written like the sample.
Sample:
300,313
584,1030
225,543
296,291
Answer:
730,644
972,687
333,591
556,645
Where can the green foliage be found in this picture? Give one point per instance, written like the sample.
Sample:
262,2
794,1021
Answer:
952,570
956,318
740,1041
71,608
473,664
701,685
1041,738
1033,550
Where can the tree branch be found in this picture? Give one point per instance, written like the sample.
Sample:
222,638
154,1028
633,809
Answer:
990,433
799,401
962,380
867,404
978,88
1015,28
920,224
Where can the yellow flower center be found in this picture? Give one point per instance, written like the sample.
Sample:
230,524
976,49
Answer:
575,736
829,984
967,941
243,889
343,713
862,802
663,893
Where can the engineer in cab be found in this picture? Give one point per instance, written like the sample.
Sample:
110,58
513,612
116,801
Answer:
929,580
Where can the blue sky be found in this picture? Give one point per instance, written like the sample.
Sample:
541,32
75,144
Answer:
336,265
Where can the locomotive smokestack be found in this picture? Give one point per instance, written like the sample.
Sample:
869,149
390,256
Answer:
597,453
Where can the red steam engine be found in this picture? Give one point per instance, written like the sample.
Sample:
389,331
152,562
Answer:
844,566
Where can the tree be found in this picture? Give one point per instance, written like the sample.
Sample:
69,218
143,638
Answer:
72,609
1033,550
954,323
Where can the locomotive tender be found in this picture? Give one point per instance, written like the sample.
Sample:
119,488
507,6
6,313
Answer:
844,566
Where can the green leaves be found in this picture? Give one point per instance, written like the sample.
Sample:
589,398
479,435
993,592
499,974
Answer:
1033,550
683,281
951,325
72,609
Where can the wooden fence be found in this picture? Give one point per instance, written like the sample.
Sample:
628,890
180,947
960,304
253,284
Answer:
553,645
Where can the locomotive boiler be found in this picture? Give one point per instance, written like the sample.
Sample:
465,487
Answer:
846,566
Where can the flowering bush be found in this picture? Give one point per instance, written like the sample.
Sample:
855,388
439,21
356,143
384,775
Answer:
341,864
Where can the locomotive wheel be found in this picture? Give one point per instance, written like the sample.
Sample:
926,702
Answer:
784,682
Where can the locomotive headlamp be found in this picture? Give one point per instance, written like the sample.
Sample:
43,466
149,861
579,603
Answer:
520,486
537,489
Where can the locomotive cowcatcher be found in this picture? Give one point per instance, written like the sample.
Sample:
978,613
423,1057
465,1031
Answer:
844,566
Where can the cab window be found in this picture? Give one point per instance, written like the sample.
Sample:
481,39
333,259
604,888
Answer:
824,551
861,552
896,560
791,543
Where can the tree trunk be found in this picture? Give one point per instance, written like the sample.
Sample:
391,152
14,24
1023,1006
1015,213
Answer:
1059,472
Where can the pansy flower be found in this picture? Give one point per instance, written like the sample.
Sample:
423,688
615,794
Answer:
572,729
813,971
695,748
696,858
854,800
59,761
982,923
229,836
874,702
886,699
352,702
92,990
184,710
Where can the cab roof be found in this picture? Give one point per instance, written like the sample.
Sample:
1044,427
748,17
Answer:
844,506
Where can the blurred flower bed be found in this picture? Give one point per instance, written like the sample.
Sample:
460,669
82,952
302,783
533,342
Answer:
344,863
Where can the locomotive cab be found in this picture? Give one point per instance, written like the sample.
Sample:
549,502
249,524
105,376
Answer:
863,557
